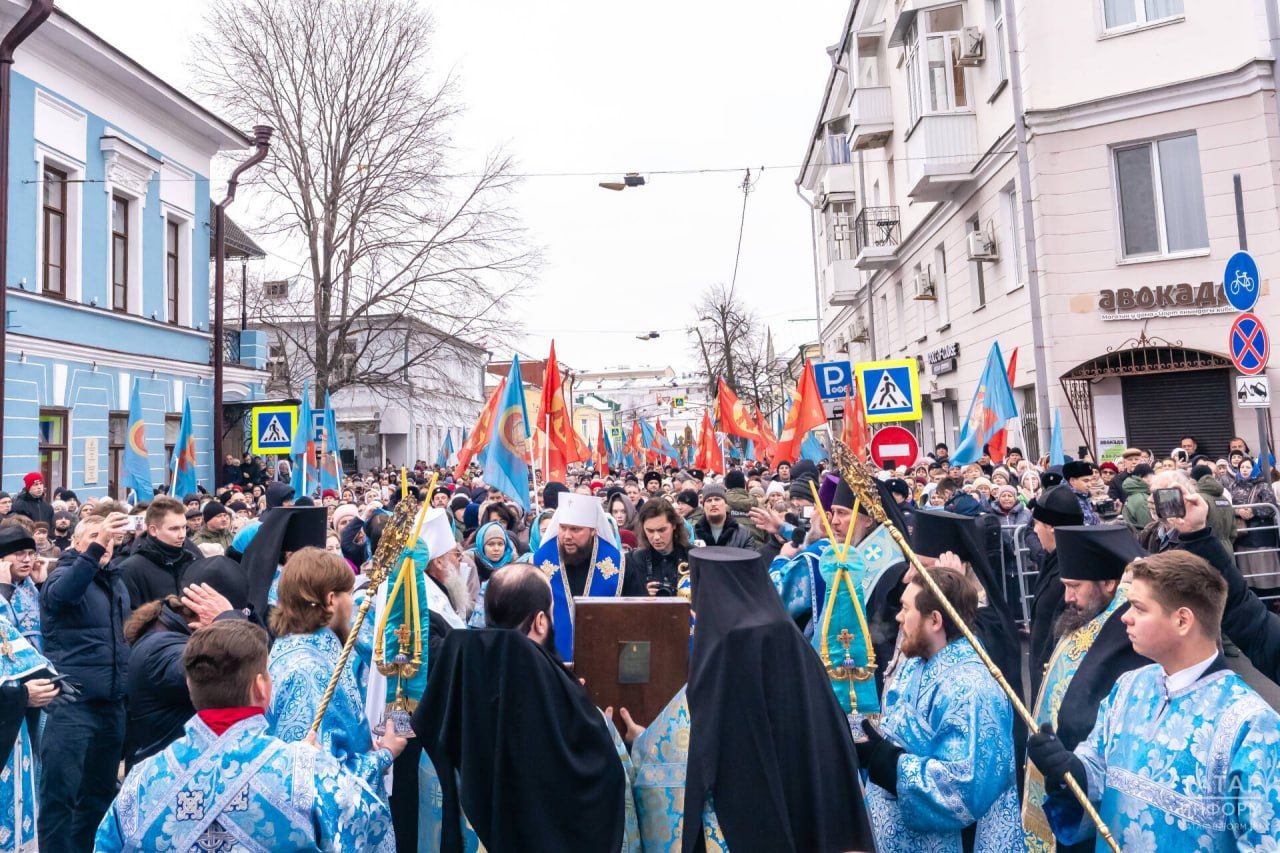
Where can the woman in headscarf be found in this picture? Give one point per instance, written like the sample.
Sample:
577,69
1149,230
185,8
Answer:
492,550
536,529
1255,507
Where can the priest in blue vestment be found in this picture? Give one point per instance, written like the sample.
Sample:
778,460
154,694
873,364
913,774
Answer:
25,687
1184,754
941,763
311,623
229,785
19,598
579,558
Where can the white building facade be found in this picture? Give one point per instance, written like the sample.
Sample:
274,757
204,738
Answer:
624,394
938,232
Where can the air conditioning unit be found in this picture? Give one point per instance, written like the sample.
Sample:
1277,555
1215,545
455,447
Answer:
970,48
924,287
982,247
859,330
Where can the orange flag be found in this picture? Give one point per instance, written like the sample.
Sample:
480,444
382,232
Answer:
479,435
554,421
1000,441
855,422
734,417
806,414
602,455
710,457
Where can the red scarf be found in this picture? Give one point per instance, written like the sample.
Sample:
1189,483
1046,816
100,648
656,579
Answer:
221,719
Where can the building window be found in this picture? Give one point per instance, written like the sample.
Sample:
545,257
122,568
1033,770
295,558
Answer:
935,82
1161,197
119,253
838,219
975,273
277,367
172,270
1013,219
275,289
55,232
117,429
940,286
172,426
53,448
1126,14
997,44
882,330
899,305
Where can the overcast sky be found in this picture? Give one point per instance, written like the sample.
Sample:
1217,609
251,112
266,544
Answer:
583,87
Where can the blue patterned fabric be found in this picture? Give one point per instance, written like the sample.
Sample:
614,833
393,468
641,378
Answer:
300,666
603,581
956,726
1191,770
18,807
659,763
243,791
23,611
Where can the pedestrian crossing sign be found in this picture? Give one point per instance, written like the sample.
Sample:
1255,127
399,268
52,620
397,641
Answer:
272,428
890,389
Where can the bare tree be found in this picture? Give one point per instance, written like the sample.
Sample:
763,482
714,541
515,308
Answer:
359,182
731,342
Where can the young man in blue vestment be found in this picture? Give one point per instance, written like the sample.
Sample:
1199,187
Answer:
1184,755
311,624
228,784
941,765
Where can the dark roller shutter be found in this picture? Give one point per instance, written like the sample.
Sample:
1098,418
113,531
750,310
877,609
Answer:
1160,408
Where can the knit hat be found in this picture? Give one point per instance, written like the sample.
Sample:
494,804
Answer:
328,493
688,497
32,478
735,479
1109,466
714,490
343,511
192,497
211,510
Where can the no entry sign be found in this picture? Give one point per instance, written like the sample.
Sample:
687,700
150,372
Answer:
1250,344
893,446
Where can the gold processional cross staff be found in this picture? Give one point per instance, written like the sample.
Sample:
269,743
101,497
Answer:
861,480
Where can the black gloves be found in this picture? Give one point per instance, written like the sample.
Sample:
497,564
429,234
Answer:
1054,761
879,757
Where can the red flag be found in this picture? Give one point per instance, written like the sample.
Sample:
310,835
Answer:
561,446
734,417
479,436
581,452
602,455
806,414
769,448
855,422
999,442
635,443
710,458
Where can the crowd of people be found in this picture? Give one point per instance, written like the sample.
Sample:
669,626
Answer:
190,642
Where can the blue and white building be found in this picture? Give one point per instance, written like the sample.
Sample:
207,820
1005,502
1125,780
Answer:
109,270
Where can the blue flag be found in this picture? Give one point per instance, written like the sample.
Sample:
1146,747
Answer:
303,451
330,470
505,458
184,456
991,407
812,449
446,449
137,467
1056,454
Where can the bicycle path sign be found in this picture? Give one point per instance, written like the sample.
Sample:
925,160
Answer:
1240,281
1250,344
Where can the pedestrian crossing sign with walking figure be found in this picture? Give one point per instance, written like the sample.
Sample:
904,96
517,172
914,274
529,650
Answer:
890,389
272,428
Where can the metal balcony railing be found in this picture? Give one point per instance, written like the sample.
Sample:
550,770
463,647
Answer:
877,227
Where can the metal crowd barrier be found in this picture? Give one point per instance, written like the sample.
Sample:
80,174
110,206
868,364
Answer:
1274,574
1024,568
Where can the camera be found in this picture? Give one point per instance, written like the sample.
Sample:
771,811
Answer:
1105,508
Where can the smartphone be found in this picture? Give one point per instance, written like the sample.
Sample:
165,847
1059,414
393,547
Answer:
135,523
1169,503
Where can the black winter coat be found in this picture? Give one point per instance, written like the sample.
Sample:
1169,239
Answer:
159,703
732,535
83,609
151,574
648,564
36,509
